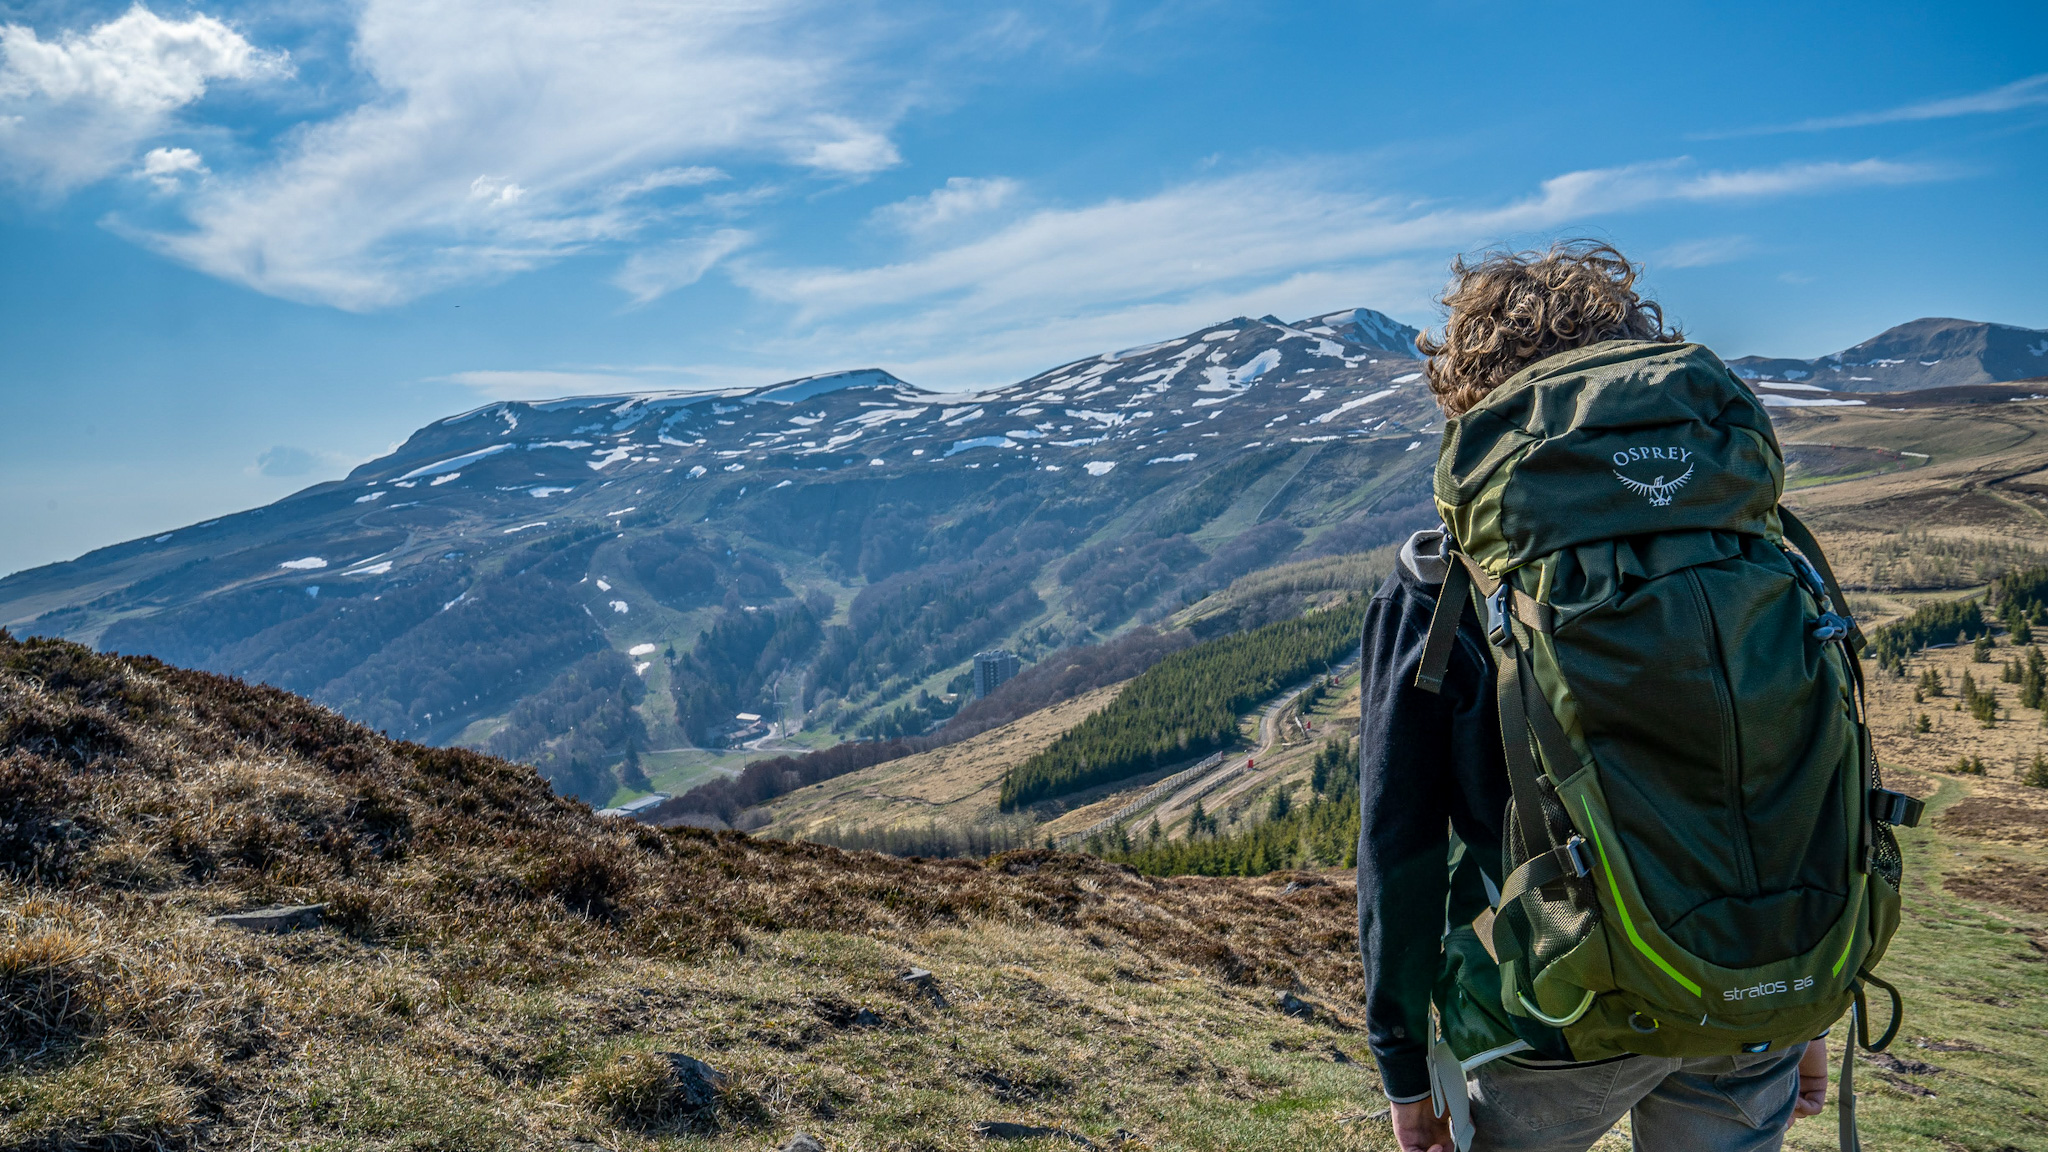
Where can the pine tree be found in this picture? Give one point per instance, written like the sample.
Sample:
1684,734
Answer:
2036,775
1282,803
1925,725
1980,649
1984,707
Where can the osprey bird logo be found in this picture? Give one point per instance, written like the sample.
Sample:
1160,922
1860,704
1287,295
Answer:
1658,490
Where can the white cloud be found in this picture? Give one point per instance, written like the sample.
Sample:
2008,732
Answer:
849,148
505,136
1060,282
1289,240
962,199
1259,227
652,272
72,109
1702,252
2028,93
167,167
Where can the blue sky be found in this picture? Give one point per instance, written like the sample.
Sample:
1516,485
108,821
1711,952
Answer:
244,246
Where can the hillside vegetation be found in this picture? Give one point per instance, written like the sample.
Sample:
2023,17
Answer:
1187,705
497,968
827,553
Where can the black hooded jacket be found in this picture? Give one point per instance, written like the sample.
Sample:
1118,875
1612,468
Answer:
1430,768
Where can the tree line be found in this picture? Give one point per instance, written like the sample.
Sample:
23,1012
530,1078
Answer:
1063,675
1185,706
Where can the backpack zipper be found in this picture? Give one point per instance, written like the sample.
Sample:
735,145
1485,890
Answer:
1731,756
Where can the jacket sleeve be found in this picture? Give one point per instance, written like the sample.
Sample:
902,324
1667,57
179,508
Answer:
1406,737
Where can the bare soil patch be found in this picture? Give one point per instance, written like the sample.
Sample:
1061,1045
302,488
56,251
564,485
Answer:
2021,886
1999,816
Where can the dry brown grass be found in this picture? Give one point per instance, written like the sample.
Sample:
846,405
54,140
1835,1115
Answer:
498,965
957,784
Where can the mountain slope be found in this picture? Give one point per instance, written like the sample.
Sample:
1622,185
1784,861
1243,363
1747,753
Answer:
816,551
1933,352
497,968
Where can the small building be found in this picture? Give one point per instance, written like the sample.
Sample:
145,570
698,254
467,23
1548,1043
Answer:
632,809
992,669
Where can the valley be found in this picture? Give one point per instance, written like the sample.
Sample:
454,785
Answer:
826,553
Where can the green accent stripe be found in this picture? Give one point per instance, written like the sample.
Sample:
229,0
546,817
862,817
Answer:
1844,957
1621,906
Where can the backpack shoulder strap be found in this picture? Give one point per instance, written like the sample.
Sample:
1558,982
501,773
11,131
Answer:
1443,627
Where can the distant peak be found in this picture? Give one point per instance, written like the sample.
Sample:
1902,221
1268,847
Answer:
802,389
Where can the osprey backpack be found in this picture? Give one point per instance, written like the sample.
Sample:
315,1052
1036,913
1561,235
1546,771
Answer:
1698,853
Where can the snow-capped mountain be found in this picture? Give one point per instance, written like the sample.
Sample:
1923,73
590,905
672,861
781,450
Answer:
1932,352
496,552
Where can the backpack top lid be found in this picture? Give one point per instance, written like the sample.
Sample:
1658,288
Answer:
1616,439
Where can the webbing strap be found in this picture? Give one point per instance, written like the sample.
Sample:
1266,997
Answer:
1852,651
1564,860
1809,547
1533,613
1523,771
1863,1010
1443,629
1845,1108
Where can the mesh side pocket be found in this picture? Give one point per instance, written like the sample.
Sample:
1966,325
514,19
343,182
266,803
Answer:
1552,920
1885,860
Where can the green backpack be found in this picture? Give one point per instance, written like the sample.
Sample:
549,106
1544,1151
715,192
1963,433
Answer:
1698,858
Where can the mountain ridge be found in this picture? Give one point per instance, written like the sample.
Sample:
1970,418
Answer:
826,551
1963,352
822,548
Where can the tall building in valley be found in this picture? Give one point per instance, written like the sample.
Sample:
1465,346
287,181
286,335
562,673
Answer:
991,668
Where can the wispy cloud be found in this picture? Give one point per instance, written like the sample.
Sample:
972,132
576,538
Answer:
655,271
1261,226
503,137
1703,252
1027,289
2031,92
961,200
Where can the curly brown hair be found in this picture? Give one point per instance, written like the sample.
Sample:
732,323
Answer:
1511,309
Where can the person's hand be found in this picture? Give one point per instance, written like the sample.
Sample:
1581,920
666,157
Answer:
1813,1080
1417,1127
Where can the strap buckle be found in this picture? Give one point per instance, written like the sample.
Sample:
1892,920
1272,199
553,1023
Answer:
1830,626
1575,851
1497,615
1895,808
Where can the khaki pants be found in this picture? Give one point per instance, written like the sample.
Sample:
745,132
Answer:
1701,1104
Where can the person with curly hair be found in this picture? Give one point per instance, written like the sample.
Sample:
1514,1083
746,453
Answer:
1432,761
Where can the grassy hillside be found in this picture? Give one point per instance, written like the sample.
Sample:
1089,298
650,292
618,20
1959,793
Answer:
954,785
499,969
1968,500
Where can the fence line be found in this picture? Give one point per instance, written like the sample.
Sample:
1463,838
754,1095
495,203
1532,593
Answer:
1151,794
